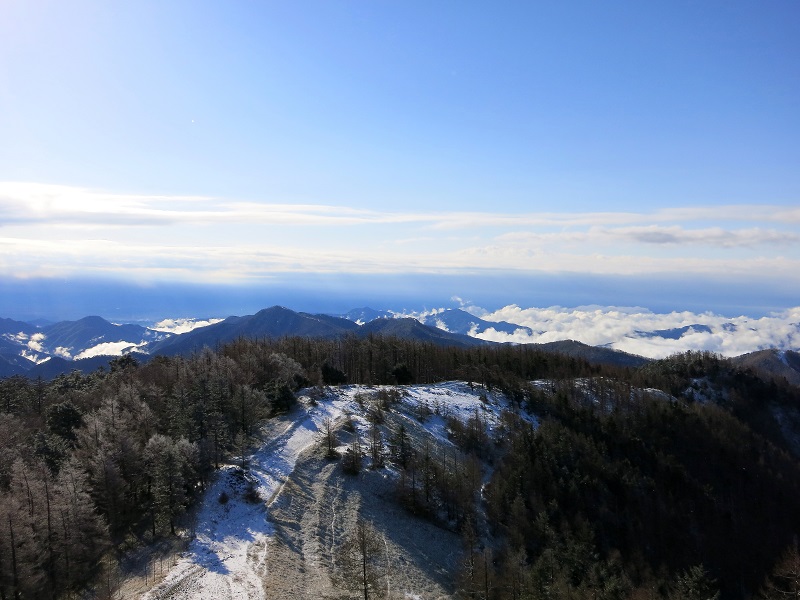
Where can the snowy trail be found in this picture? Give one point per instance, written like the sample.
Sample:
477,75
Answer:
226,560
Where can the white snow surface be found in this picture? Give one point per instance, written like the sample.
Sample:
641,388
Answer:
457,399
226,559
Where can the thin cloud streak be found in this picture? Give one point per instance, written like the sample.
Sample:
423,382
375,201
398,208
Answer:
245,262
53,204
659,236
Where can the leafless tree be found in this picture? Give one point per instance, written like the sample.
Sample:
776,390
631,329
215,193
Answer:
360,562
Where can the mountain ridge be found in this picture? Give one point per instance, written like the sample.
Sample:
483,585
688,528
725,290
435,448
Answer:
25,349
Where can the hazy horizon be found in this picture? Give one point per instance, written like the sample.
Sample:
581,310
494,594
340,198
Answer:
54,299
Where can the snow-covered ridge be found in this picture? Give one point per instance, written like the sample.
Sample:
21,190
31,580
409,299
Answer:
226,559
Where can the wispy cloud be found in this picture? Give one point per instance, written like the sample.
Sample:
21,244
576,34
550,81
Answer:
22,202
53,230
658,235
711,236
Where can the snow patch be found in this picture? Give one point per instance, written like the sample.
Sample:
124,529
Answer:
226,558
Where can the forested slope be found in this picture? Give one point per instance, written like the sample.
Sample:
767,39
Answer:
633,478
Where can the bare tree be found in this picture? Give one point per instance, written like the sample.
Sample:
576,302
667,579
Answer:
376,446
360,561
329,438
785,579
351,463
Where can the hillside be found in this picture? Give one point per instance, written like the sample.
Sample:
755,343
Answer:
594,354
312,504
772,364
318,492
502,466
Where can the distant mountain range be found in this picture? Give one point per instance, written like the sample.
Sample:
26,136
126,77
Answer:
460,321
89,343
84,344
451,320
677,333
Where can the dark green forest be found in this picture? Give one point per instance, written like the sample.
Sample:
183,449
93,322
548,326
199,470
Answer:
672,480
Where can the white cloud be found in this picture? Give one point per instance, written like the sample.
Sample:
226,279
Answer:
32,356
63,352
107,349
182,325
622,328
51,230
35,342
52,204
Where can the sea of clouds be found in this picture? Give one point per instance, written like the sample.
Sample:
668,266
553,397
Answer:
640,331
632,329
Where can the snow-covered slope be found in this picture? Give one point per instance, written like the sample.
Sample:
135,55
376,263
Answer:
226,559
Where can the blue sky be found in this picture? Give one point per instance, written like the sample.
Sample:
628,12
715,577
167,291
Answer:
629,153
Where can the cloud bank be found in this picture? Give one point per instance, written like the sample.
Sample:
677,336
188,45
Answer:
640,331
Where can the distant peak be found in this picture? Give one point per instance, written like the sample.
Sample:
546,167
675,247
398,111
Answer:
92,319
275,308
